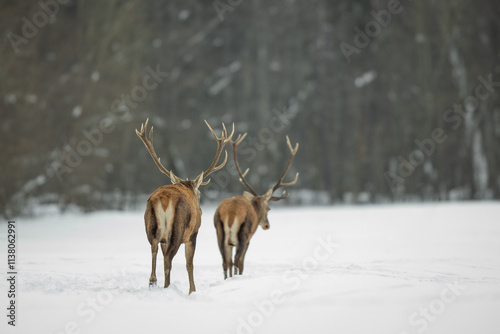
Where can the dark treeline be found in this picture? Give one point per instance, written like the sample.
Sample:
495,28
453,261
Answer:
389,100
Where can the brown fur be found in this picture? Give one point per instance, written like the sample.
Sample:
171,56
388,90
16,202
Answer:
181,199
248,214
173,213
236,218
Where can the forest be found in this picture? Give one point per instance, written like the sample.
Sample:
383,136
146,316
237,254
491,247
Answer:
390,100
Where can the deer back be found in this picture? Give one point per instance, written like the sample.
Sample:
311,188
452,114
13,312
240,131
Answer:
240,211
173,205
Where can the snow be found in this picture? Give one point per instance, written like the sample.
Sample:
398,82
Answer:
77,111
10,98
95,76
157,42
225,75
404,269
184,14
365,78
31,98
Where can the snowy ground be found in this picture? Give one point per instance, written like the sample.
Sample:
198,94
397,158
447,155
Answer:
432,268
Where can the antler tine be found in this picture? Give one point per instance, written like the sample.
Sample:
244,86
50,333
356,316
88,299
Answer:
224,131
224,138
280,183
277,198
151,135
236,142
285,194
211,130
293,150
245,173
149,146
287,184
239,139
221,165
228,138
235,157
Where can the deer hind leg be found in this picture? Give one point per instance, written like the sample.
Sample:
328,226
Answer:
239,258
151,224
220,242
230,241
228,254
154,252
190,248
169,249
167,264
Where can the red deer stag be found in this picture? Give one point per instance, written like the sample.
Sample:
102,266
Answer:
173,213
236,218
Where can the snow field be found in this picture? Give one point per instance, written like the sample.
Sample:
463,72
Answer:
404,269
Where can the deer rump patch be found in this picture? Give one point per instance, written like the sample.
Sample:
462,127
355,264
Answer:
231,228
165,213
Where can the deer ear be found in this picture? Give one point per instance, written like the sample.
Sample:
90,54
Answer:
269,194
248,195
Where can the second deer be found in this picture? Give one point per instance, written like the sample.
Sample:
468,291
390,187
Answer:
236,218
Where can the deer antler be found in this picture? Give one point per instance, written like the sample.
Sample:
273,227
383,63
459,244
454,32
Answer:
149,145
280,183
235,156
221,142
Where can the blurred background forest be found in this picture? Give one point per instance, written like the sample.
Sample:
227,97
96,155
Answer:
390,101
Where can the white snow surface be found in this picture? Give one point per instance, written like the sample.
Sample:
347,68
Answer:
403,269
